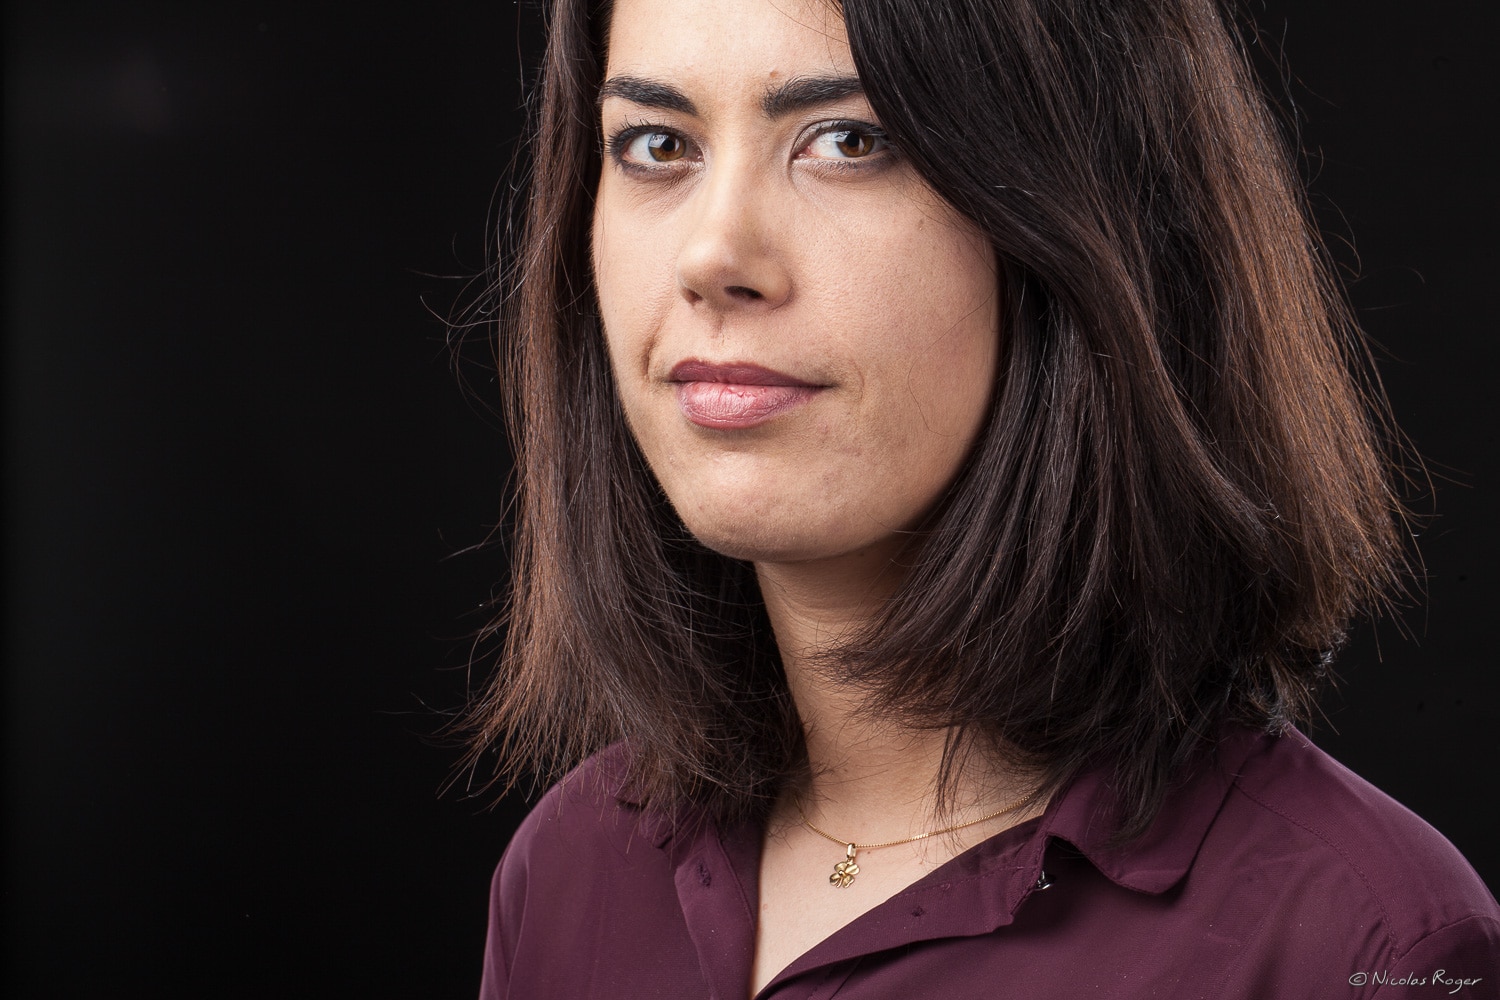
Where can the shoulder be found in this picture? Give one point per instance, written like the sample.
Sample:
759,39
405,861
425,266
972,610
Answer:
583,826
1343,858
1274,871
586,854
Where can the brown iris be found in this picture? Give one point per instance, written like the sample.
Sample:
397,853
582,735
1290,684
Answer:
665,147
854,144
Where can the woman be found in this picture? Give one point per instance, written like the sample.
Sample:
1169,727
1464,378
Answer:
942,485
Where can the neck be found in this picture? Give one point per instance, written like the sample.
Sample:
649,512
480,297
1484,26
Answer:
871,778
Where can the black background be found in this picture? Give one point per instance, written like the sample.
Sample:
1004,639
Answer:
238,468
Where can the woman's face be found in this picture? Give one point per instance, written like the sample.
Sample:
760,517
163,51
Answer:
804,336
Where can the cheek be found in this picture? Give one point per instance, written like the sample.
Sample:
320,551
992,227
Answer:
634,286
612,266
942,358
935,319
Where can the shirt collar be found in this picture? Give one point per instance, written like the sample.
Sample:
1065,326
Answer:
1087,816
975,893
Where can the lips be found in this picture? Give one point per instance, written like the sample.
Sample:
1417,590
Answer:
736,396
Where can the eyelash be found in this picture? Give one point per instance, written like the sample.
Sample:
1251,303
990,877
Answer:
619,141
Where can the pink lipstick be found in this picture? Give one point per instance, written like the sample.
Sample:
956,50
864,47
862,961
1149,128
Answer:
735,396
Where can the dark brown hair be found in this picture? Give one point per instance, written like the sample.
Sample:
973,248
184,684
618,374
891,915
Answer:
1180,499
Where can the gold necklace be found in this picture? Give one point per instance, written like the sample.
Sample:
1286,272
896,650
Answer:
844,871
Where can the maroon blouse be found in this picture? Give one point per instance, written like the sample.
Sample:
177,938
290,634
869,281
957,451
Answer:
1273,873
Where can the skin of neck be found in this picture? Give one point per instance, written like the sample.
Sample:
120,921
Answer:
870,778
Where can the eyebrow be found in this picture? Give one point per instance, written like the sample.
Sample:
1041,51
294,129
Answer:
802,92
647,93
794,95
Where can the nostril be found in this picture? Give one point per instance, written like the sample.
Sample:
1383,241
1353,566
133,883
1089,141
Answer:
741,292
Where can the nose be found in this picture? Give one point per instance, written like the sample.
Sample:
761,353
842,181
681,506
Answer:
732,255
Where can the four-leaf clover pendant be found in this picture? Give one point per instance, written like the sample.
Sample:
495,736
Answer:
844,871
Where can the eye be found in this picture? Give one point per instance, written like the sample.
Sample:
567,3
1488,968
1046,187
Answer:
847,141
644,146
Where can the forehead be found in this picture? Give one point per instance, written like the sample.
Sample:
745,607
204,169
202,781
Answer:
707,44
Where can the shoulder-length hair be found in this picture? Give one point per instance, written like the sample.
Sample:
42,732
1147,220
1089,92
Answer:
1177,506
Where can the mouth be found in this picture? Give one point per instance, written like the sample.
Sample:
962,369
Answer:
736,396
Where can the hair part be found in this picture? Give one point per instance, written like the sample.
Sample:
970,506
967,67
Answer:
1179,503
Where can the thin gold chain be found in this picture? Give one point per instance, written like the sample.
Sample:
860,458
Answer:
909,840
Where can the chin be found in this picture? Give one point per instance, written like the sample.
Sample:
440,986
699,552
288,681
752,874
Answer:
790,537
755,542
